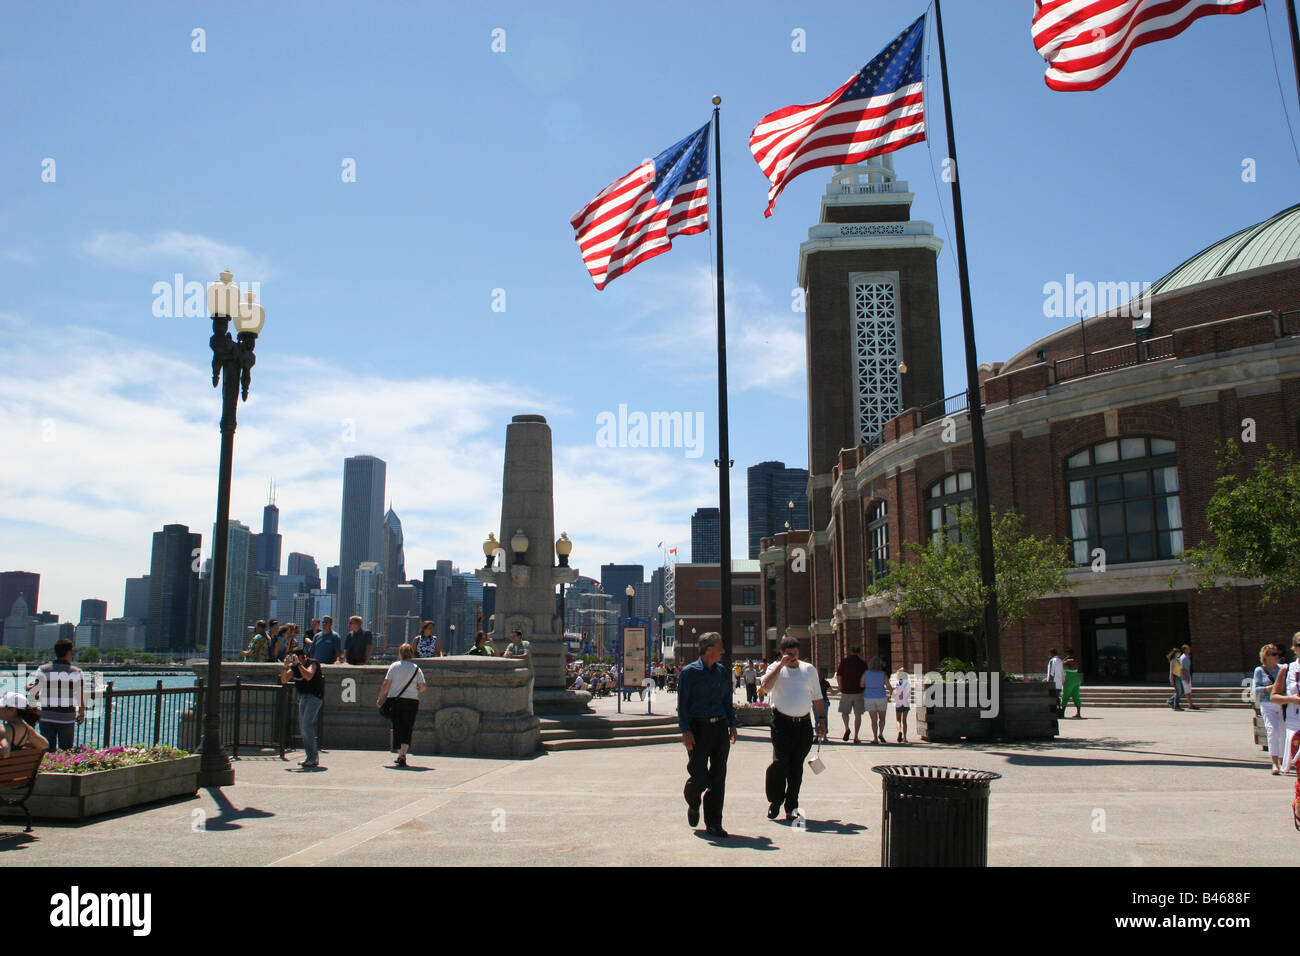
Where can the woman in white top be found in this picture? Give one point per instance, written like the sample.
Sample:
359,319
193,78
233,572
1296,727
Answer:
902,703
403,685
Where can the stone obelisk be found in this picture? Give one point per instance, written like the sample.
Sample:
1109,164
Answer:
526,580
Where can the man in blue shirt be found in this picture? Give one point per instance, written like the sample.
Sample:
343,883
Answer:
328,645
707,719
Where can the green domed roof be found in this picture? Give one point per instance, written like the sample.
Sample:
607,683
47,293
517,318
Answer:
1275,240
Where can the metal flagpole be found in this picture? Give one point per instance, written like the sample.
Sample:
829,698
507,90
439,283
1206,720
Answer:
724,453
1295,42
984,520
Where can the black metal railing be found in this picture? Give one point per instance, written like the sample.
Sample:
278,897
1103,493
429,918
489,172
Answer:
138,717
944,408
253,717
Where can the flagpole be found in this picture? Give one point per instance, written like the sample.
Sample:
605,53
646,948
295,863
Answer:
976,408
1295,42
724,452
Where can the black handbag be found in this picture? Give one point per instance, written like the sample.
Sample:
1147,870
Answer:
386,708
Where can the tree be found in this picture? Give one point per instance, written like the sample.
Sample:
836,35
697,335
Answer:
88,655
942,580
1254,519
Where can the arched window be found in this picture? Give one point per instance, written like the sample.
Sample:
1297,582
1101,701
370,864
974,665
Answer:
945,500
878,539
1124,500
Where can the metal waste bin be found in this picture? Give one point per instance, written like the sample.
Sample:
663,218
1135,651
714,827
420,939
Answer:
934,816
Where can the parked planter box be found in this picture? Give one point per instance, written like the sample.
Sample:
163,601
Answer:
77,796
1029,712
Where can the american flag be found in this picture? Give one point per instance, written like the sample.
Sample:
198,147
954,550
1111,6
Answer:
878,110
635,218
1086,42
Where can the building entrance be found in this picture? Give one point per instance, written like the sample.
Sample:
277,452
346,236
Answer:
1127,645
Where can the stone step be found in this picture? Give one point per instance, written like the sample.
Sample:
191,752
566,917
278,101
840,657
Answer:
609,733
581,743
588,722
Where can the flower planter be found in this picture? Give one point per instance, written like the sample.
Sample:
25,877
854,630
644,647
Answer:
1028,711
77,796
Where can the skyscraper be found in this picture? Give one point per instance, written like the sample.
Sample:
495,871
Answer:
14,583
239,549
772,487
706,536
93,609
371,597
268,542
135,602
173,590
614,579
305,565
361,535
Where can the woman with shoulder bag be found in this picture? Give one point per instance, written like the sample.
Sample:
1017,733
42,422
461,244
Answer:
1272,714
399,698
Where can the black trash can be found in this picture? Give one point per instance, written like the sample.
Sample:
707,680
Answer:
934,816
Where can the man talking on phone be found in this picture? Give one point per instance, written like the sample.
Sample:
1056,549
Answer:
795,693
707,718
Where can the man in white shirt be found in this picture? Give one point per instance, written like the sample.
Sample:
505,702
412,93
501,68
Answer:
795,693
1056,673
1186,660
750,677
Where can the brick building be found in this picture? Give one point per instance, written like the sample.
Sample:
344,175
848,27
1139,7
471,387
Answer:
1110,449
697,608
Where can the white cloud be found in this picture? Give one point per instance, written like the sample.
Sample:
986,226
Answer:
169,252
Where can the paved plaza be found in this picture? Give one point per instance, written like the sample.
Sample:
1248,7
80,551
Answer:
1108,792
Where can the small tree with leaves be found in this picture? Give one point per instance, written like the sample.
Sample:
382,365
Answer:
939,579
1254,520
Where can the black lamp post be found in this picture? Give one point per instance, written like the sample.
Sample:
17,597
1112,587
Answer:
630,592
660,643
232,366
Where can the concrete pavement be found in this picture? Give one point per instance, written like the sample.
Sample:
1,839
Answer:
1108,792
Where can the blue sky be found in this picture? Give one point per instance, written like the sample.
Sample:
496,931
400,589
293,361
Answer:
381,336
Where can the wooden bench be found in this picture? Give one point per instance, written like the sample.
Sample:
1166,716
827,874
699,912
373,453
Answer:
18,777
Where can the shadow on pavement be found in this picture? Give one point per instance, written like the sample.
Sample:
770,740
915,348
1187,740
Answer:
16,841
1182,760
229,815
830,826
738,842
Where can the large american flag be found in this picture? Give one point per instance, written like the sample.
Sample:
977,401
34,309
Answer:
1086,42
877,111
636,217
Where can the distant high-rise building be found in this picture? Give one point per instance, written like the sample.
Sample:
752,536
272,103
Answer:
394,562
433,601
93,609
371,603
268,542
772,487
305,565
332,581
173,590
19,625
14,583
402,624
614,579
361,536
67,631
122,632
135,602
239,551
301,611
706,536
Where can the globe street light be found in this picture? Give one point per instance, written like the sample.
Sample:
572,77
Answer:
630,592
232,366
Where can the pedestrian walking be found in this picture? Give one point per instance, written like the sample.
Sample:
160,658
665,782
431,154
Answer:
750,677
1286,691
1175,679
400,699
1056,675
876,689
902,703
60,688
849,675
1072,682
427,644
706,717
1262,681
1185,662
795,692
305,672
